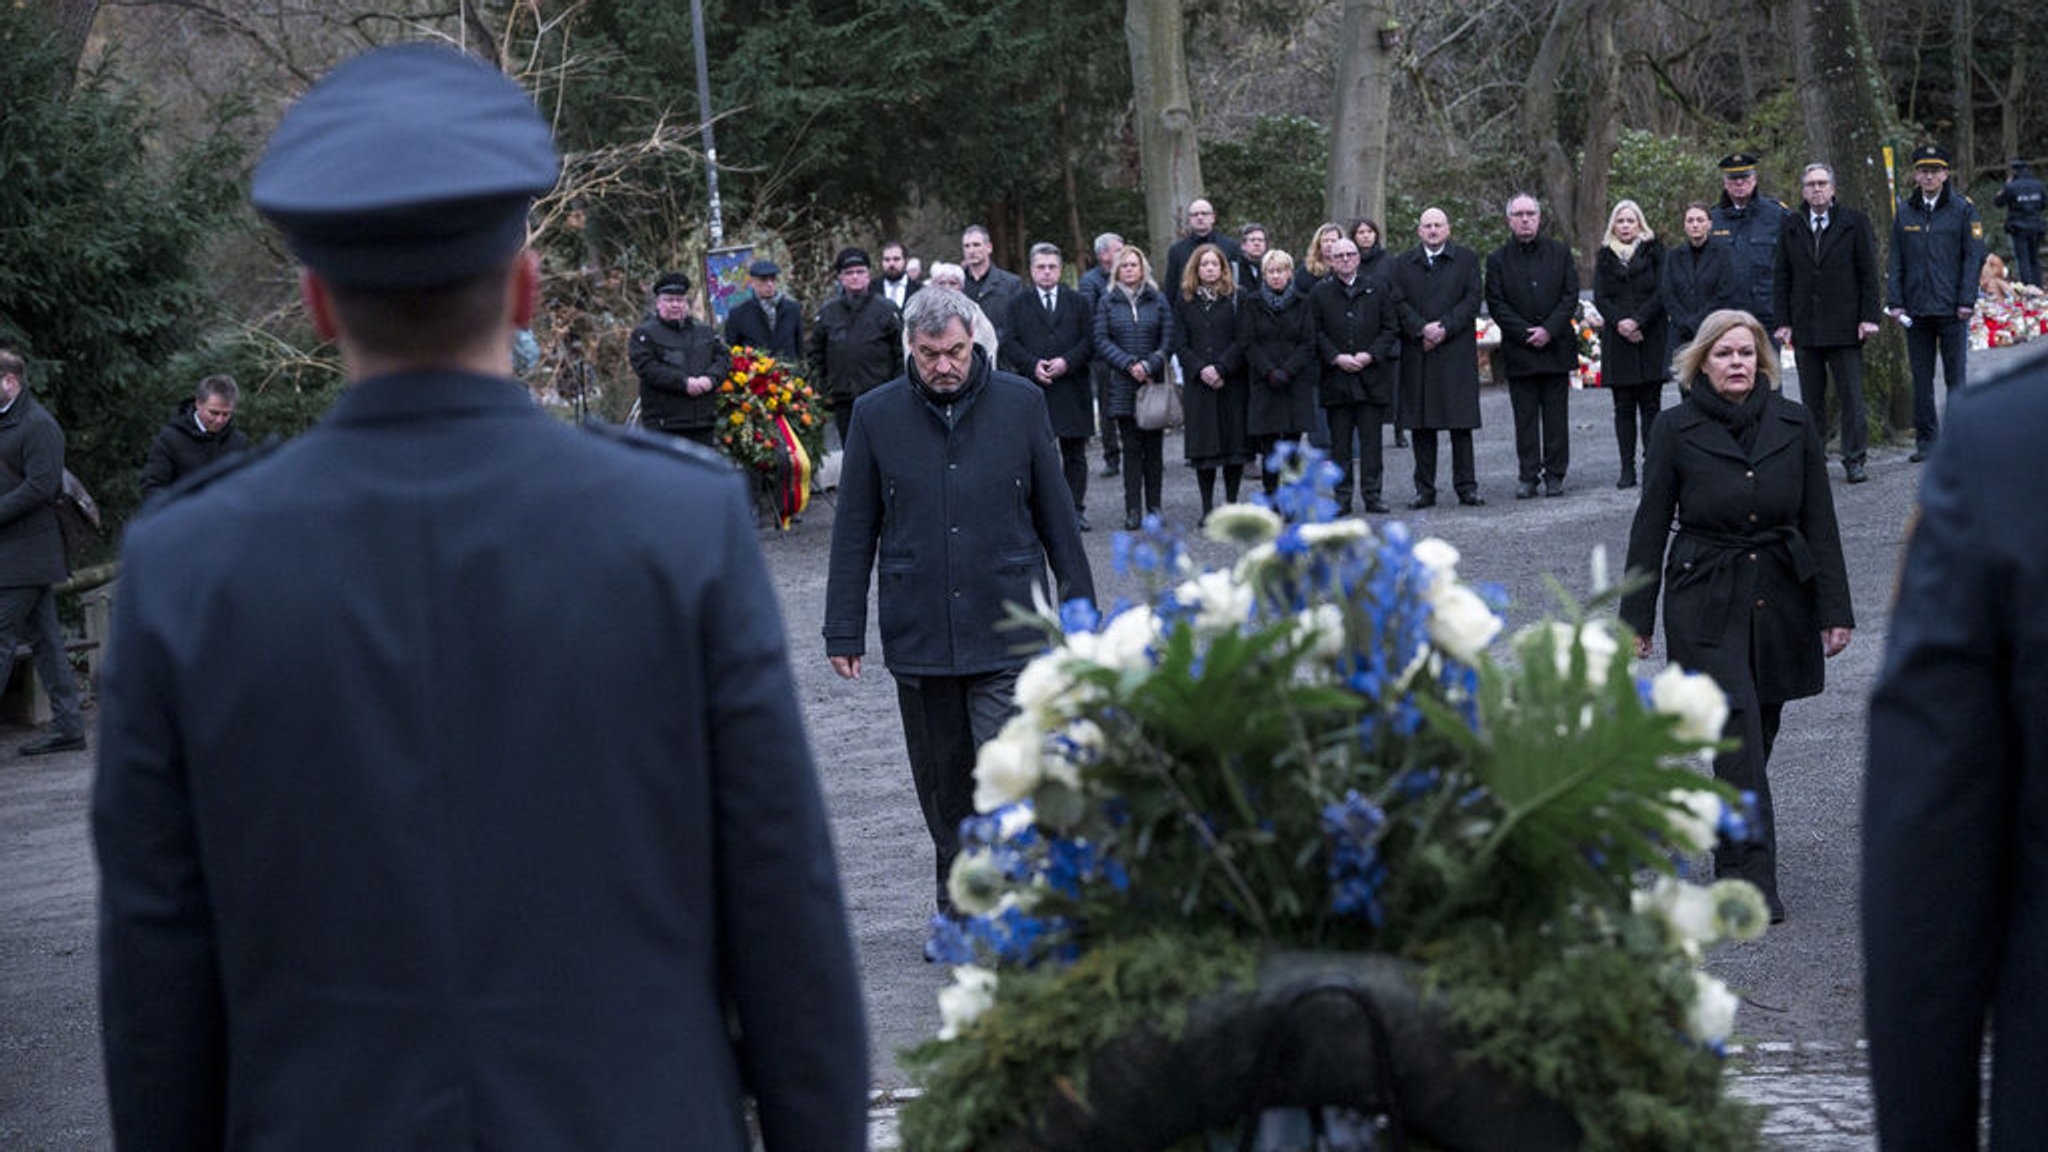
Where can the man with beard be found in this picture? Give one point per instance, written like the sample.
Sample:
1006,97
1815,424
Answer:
983,282
1052,337
855,341
1747,223
952,478
896,282
1931,283
1437,286
680,364
1532,292
1827,286
766,319
1201,230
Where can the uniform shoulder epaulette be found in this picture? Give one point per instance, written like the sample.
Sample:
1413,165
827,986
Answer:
674,446
212,473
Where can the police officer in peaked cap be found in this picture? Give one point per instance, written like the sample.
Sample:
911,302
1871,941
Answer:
452,790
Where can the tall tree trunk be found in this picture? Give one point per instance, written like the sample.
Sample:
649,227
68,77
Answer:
1965,143
2009,107
1603,125
72,21
1845,102
1365,88
1169,159
1078,250
1539,115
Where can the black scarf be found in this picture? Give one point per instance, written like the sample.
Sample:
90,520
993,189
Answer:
1740,418
976,377
1277,300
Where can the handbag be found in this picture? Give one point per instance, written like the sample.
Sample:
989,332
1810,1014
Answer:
1158,405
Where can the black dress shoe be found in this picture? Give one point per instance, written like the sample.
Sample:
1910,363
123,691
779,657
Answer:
1553,487
1628,480
1856,472
54,742
1525,490
1400,439
1109,468
1424,501
1085,525
1133,521
1919,455
1377,506
1471,499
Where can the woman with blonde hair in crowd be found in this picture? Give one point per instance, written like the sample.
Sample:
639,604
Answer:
1628,276
1280,348
1315,259
1134,335
1755,591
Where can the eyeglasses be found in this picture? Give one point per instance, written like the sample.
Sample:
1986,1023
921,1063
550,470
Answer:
1816,183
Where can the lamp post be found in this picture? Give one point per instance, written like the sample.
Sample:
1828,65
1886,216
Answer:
704,111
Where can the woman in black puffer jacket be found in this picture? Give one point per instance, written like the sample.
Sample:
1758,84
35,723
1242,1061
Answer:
1133,334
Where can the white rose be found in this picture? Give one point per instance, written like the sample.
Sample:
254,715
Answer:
961,1003
1222,602
1440,558
1007,769
1126,644
1698,702
1711,1017
1044,687
1460,623
1695,818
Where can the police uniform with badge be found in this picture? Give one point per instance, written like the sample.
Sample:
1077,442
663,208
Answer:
668,355
452,790
2024,200
1749,231
1936,255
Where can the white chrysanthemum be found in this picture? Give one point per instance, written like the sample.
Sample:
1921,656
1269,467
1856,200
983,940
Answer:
1698,702
1336,533
1711,1018
962,1002
1008,768
1126,643
1740,909
1695,818
1244,525
1460,623
1437,555
1222,603
975,882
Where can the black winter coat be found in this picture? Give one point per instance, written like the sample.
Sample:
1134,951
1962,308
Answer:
1530,286
665,356
1936,256
1127,331
964,515
1356,317
1823,297
1183,250
182,447
1750,234
1205,333
1067,333
1696,281
1280,349
856,345
31,475
748,324
1755,570
1631,291
1440,387
993,292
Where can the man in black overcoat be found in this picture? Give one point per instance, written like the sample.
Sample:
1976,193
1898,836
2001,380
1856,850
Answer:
453,791
856,340
32,561
1051,340
680,363
1955,929
1827,285
984,283
1358,343
1532,292
766,319
202,431
1201,230
1436,285
1094,282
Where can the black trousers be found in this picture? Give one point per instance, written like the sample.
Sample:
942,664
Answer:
1636,406
945,719
1101,373
1074,463
1357,426
30,613
842,418
1929,334
1543,447
1144,466
2026,257
1464,471
1844,367
1747,769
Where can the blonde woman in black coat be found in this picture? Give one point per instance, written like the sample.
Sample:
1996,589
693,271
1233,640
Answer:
1134,336
1280,347
1209,338
1627,275
1755,591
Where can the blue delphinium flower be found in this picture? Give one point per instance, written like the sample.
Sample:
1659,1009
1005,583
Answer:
946,942
1355,869
1079,615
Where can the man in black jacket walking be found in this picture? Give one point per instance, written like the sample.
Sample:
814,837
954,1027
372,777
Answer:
1051,341
1826,286
952,479
203,431
32,560
1532,291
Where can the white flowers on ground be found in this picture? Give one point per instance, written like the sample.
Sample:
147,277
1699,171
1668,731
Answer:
961,1003
1699,704
1712,1015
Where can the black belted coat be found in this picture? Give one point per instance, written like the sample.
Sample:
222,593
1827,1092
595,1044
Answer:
1755,571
